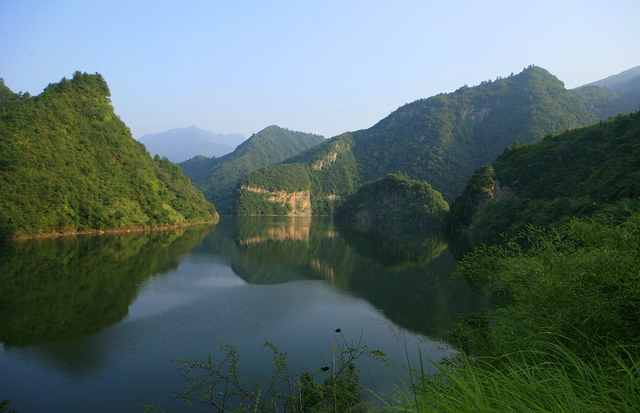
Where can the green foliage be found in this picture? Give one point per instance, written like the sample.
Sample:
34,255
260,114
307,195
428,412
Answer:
333,174
255,191
618,94
601,161
478,191
220,385
70,164
571,174
284,177
511,216
258,203
394,201
602,101
578,281
445,138
568,338
548,378
5,409
6,95
218,177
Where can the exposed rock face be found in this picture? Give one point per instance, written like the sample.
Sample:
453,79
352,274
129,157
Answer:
327,160
478,114
300,201
502,192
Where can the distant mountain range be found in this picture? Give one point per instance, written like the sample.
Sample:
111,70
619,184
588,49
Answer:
620,81
613,95
180,144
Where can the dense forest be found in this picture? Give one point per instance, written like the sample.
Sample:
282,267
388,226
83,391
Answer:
570,174
445,138
394,201
218,177
69,164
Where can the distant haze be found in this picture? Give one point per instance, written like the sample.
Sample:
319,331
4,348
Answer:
181,144
325,67
618,81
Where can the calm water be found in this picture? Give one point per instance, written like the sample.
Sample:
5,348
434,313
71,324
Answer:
92,323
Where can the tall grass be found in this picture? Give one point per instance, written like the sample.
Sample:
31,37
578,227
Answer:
549,378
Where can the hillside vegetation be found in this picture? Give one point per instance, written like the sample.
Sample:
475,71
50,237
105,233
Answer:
568,174
218,177
394,201
445,138
614,95
70,164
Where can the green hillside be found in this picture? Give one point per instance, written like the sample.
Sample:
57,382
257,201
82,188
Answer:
568,174
70,164
6,95
218,177
394,201
443,139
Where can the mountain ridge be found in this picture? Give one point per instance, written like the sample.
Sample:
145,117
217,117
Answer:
573,173
444,138
181,144
218,177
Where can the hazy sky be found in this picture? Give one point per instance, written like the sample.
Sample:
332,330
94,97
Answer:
237,66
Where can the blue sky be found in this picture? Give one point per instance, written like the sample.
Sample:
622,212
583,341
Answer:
237,66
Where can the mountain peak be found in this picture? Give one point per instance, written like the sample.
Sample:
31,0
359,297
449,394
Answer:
180,144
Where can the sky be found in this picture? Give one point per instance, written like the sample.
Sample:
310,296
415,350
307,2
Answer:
327,67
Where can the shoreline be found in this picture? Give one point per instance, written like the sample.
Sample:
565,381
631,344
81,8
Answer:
30,237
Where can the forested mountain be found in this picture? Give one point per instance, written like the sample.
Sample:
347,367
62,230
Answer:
619,81
218,177
617,94
442,140
569,174
68,164
396,202
181,144
6,95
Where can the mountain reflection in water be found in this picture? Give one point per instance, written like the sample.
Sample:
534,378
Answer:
85,318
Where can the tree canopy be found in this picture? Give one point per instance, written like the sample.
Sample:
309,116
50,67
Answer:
394,201
218,177
70,164
568,174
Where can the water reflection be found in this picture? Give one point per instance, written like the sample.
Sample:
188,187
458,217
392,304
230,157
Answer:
85,318
405,276
59,289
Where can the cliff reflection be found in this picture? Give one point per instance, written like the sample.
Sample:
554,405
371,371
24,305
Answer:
405,276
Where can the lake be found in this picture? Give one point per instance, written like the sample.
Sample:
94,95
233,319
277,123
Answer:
92,323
